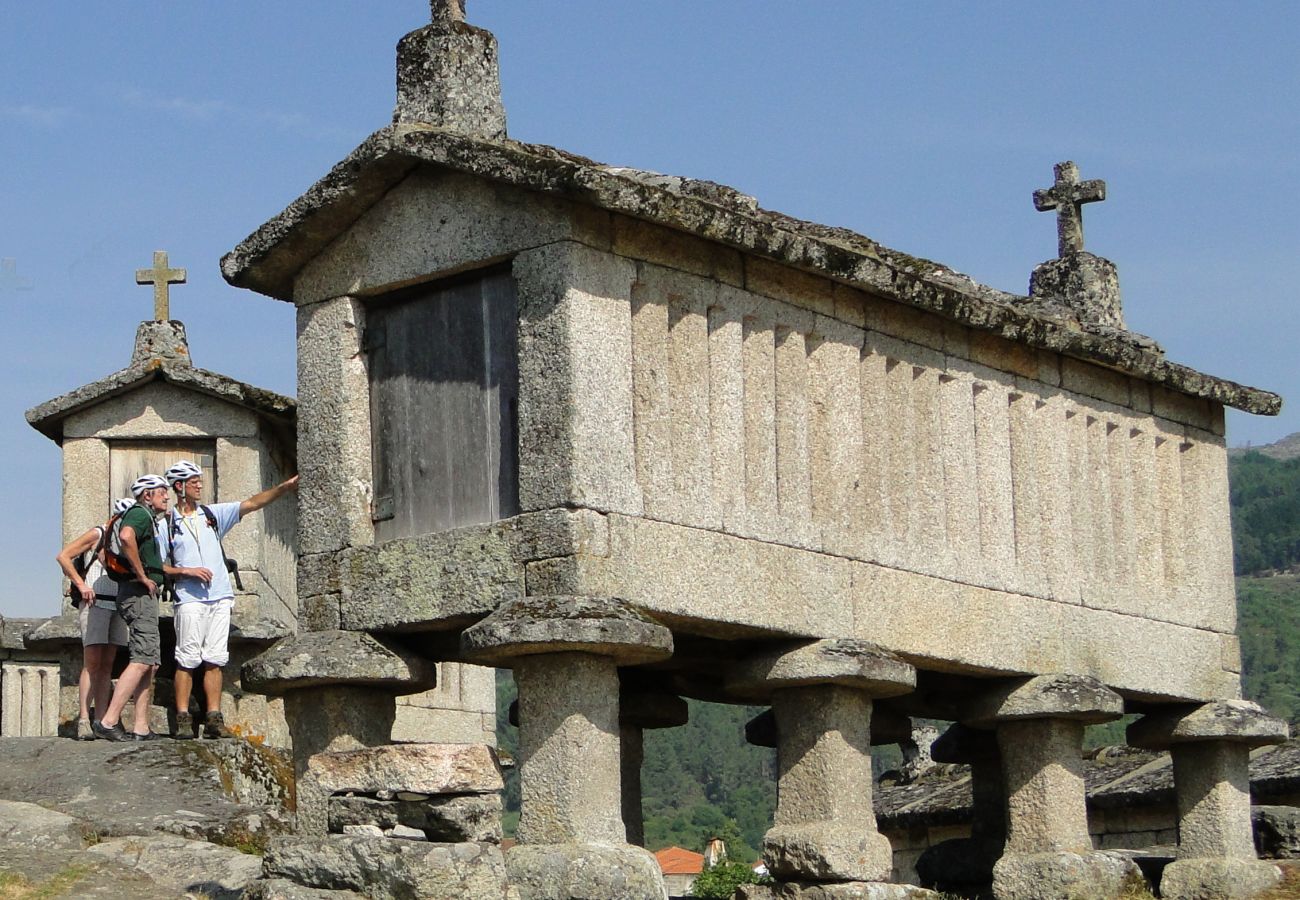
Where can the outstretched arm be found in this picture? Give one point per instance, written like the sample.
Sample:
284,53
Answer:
257,501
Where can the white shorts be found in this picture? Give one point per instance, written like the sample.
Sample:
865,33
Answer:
202,633
101,626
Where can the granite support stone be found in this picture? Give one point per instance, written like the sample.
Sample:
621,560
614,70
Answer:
1210,746
340,690
1039,726
821,694
566,652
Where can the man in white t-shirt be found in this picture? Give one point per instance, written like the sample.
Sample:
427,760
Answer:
190,538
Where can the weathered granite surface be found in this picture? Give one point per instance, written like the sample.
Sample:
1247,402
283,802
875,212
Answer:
268,260
558,624
421,768
448,818
383,868
319,658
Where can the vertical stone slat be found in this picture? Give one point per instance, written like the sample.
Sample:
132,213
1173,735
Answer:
49,701
876,427
688,386
961,484
11,700
726,411
900,475
993,463
1149,562
1054,472
31,701
792,472
835,428
927,434
1098,480
759,359
651,422
1081,510
1027,509
1119,448
1170,500
1205,501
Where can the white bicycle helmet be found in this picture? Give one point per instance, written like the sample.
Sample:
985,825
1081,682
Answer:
122,504
182,471
146,483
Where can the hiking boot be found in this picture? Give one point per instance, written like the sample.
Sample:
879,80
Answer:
214,727
109,732
84,730
184,727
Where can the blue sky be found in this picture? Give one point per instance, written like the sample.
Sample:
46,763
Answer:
126,128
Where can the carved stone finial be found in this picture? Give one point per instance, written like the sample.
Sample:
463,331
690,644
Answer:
446,12
447,76
1067,197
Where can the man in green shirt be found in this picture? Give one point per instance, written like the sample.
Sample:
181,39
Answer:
137,601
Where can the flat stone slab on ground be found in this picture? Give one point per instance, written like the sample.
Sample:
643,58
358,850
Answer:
386,868
58,874
421,768
26,825
183,865
283,889
126,789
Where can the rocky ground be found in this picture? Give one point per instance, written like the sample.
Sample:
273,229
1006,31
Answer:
162,819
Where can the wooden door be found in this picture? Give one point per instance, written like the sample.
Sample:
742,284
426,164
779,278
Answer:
128,460
443,388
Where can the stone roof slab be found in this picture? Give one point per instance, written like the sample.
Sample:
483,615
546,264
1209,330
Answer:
269,259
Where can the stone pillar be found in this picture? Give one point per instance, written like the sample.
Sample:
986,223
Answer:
340,690
1039,727
821,695
966,864
639,709
1210,746
565,652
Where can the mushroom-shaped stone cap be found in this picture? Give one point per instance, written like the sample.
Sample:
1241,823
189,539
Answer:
647,708
320,658
604,626
844,662
1078,697
1235,721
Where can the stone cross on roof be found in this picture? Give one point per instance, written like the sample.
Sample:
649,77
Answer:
1067,196
161,278
446,12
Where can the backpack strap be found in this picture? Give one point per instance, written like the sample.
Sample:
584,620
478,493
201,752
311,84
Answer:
226,561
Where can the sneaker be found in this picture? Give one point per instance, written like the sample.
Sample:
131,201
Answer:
109,732
84,730
147,736
214,727
184,727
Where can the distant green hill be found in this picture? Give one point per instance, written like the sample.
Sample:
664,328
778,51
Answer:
1265,495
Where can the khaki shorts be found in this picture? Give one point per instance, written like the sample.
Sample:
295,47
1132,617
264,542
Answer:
102,626
139,610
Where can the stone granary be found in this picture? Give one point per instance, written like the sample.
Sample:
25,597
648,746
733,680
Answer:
636,437
143,418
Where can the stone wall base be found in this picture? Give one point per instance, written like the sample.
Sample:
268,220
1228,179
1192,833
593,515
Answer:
564,871
1064,876
1218,879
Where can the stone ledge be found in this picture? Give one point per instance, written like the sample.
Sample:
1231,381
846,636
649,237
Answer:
563,624
321,658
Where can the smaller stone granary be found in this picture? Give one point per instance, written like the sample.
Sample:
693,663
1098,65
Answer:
143,418
638,438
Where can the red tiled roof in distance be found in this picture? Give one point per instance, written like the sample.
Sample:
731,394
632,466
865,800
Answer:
676,861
